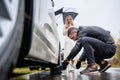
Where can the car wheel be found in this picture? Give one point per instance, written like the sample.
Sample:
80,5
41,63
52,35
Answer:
11,29
57,69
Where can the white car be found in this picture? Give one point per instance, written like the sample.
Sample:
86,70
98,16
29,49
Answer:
28,31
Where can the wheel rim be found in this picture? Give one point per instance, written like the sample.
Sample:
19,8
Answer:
8,17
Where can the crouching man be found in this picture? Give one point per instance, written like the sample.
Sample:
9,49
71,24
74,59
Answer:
98,45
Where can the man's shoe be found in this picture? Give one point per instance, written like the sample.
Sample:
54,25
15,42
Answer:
89,69
104,66
78,65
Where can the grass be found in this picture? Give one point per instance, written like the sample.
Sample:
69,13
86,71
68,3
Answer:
115,66
20,73
26,70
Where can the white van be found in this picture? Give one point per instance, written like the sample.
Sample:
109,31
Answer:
28,34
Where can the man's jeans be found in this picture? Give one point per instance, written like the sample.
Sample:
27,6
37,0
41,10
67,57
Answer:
96,50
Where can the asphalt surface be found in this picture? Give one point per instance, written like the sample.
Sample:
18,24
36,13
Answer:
110,74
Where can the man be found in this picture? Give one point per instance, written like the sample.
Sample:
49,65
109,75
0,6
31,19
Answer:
98,45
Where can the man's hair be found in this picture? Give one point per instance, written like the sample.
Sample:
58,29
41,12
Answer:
70,30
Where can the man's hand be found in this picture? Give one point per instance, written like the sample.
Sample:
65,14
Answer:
64,64
73,62
78,65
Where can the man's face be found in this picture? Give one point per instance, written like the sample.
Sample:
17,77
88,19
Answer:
73,35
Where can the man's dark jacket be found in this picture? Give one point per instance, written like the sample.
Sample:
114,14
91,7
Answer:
90,31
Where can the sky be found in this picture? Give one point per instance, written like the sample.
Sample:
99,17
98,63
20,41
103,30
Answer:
103,13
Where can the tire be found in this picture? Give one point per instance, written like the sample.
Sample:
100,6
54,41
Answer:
27,32
57,69
10,46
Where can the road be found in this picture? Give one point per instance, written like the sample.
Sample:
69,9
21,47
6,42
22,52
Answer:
110,74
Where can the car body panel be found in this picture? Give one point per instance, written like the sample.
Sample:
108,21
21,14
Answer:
45,39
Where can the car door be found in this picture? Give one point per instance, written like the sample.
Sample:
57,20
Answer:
45,39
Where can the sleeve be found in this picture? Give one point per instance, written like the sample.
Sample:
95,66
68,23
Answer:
83,56
82,33
75,50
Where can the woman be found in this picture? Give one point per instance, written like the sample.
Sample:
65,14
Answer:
68,45
68,23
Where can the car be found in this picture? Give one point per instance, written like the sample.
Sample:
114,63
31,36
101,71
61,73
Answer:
28,34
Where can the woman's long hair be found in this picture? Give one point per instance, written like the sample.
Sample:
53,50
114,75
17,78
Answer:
67,24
